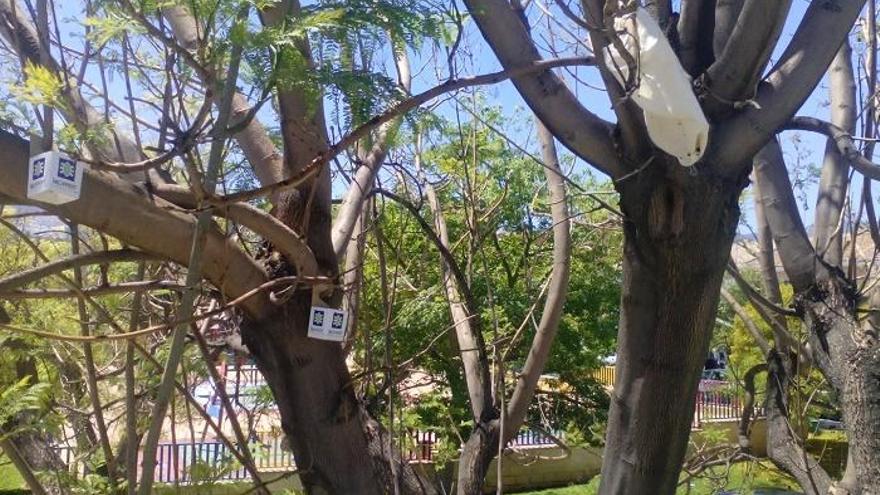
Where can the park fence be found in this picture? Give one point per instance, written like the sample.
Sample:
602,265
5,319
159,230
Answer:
213,461
188,462
719,401
205,461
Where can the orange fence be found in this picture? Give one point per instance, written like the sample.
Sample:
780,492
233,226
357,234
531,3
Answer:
604,375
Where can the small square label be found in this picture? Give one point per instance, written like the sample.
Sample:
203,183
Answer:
67,169
338,320
327,324
39,168
318,318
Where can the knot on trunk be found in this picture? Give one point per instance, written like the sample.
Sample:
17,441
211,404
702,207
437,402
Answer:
666,212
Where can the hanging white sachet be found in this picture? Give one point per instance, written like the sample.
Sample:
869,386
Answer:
675,121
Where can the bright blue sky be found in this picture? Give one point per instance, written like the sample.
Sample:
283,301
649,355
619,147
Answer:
809,150
477,58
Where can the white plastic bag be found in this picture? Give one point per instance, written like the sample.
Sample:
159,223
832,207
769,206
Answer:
673,116
54,178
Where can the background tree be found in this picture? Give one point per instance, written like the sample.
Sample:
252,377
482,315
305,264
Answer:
831,286
308,378
679,224
496,267
184,68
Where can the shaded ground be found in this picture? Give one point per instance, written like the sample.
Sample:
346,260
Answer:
10,481
744,478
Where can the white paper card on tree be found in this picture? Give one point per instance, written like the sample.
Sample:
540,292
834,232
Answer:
675,122
327,324
54,178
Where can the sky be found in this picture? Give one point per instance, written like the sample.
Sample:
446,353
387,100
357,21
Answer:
808,151
477,58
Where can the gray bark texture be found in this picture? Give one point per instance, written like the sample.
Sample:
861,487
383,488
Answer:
679,225
678,232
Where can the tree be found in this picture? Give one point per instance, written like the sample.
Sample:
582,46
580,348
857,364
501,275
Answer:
679,225
132,191
485,201
328,429
831,288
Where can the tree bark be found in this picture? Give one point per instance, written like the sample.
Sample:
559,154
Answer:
476,455
677,236
478,450
849,357
828,225
847,353
783,446
337,447
32,454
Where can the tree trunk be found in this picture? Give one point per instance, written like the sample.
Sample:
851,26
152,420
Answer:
849,357
783,447
476,455
35,460
678,231
331,435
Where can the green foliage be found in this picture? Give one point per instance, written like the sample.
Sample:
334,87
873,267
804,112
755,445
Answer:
744,351
88,484
72,138
341,38
507,261
11,482
810,395
830,448
20,397
40,379
710,436
40,87
112,25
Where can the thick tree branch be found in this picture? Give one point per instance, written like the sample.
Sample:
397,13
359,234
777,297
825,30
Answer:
127,212
743,436
767,262
581,131
780,207
122,287
842,139
735,73
462,306
365,175
287,241
557,290
727,13
800,68
32,275
783,447
695,41
253,139
827,226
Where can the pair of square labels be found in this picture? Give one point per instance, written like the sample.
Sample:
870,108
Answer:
327,324
54,178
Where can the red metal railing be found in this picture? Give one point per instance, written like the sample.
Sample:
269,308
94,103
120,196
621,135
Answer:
720,403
